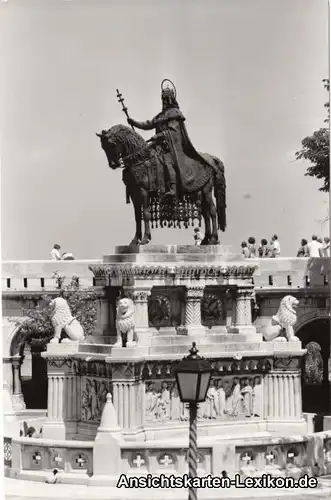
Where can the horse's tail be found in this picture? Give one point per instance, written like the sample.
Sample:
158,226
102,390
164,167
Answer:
220,194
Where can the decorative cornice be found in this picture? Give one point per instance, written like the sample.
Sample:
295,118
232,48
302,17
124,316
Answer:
184,271
59,362
92,368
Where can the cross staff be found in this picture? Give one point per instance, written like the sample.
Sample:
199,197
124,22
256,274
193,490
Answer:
124,108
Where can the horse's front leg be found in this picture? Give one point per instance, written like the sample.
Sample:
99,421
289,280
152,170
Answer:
206,218
147,217
211,213
137,215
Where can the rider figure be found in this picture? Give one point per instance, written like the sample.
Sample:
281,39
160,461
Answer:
166,125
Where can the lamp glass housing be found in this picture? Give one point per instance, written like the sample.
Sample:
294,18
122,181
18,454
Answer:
193,376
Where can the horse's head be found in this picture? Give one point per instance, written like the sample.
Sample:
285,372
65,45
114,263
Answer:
122,145
108,144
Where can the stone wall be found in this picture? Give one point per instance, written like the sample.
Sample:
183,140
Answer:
292,456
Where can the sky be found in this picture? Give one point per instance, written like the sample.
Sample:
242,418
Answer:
248,75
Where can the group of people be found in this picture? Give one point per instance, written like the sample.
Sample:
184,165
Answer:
317,247
265,249
56,255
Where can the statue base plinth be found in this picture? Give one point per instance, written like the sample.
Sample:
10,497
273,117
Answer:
120,353
223,250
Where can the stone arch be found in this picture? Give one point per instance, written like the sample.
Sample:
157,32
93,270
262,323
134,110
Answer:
12,339
310,316
12,351
27,392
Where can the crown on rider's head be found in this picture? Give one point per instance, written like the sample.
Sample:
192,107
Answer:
168,92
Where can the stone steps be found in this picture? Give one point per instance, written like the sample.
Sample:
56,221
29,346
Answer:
215,338
229,347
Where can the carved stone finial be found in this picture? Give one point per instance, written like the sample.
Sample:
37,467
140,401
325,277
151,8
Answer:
109,418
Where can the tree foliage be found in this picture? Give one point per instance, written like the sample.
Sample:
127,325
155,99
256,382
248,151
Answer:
316,150
82,302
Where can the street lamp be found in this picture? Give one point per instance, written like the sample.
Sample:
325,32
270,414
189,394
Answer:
193,376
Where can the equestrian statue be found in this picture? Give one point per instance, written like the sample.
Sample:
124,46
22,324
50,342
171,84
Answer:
167,180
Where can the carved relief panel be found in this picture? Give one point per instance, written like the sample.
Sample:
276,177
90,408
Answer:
166,306
93,397
213,306
228,398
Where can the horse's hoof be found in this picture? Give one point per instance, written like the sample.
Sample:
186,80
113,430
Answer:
134,242
145,241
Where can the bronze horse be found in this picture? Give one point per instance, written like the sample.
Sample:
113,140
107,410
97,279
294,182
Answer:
144,177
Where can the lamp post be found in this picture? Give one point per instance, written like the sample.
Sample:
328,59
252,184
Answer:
193,376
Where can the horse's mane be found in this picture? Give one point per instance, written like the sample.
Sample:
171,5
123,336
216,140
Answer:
133,143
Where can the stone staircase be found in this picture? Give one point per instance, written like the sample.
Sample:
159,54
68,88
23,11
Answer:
211,344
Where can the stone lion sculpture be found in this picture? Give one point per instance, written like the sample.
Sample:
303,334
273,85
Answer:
125,323
62,319
281,325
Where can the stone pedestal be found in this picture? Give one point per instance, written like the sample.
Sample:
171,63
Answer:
194,294
128,392
243,313
64,394
140,296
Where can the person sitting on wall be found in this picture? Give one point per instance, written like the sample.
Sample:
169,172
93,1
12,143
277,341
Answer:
197,236
55,253
252,247
53,478
263,249
67,256
303,249
325,248
275,250
245,250
314,247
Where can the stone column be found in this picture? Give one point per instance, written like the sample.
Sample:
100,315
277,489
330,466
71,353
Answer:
63,395
11,424
17,397
242,323
194,294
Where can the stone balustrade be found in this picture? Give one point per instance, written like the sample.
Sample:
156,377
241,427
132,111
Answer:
281,456
40,455
283,272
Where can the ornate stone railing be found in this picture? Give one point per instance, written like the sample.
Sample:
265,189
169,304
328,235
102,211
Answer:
283,272
37,454
286,456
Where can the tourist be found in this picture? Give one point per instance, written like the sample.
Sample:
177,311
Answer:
275,246
263,250
245,250
197,236
325,248
55,253
303,249
252,247
53,478
67,256
314,247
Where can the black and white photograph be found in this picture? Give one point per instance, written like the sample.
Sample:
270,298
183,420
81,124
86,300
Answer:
165,249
